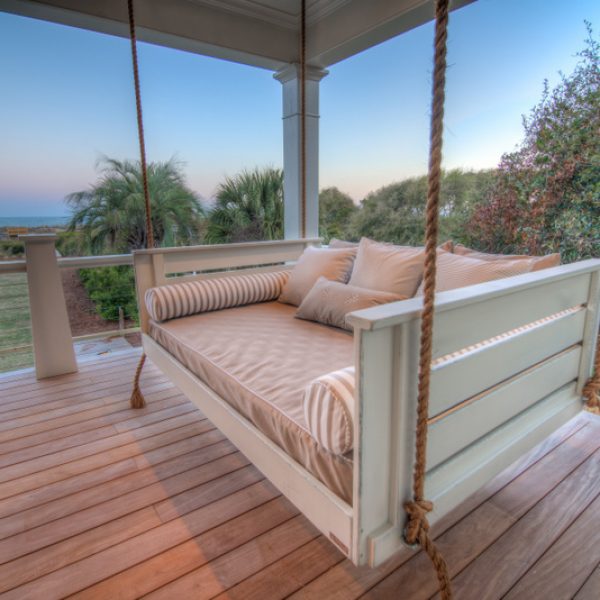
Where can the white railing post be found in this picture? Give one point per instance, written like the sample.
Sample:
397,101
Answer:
51,332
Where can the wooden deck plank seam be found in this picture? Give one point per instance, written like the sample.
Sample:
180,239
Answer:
112,480
596,454
516,524
108,463
89,431
161,523
152,504
125,442
473,509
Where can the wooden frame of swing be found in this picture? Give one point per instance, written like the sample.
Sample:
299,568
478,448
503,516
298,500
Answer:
519,389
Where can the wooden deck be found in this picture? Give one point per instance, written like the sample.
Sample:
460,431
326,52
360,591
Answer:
99,501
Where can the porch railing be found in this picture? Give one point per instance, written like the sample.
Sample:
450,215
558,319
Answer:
45,312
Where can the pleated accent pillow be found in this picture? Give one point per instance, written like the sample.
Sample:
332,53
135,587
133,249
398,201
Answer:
192,297
537,262
333,264
329,410
388,268
455,271
328,302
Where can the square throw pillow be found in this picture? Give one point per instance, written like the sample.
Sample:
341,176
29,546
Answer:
455,271
387,268
329,302
333,264
537,262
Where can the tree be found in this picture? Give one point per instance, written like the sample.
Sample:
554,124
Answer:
111,214
396,213
546,196
336,210
248,207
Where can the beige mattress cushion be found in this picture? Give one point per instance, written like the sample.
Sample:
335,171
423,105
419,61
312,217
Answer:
260,359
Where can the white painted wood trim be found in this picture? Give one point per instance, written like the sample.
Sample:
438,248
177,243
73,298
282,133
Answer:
590,336
395,313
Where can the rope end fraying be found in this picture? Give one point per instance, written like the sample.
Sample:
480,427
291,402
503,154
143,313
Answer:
137,399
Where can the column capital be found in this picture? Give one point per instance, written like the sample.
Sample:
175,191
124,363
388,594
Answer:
292,71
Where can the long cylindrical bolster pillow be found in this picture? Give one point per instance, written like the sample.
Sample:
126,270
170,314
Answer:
192,297
329,410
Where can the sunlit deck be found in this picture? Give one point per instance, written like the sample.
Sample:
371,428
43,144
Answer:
101,501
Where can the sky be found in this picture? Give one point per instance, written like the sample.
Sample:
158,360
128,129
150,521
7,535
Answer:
66,100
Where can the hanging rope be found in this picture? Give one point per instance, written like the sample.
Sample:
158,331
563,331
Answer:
303,120
140,124
591,391
417,528
137,398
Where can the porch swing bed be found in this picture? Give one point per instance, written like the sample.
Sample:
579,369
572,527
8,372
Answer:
510,359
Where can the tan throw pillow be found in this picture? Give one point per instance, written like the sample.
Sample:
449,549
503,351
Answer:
537,262
335,243
388,268
455,271
329,302
335,265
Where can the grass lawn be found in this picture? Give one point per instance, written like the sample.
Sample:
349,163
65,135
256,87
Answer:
15,323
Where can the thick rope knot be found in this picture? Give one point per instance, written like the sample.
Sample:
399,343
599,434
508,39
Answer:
591,392
417,511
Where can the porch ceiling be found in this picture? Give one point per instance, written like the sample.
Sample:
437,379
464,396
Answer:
262,33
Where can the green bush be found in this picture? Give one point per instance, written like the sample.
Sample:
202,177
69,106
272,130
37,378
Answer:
12,248
110,288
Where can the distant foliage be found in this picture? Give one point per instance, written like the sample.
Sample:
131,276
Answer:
396,213
12,248
336,211
546,195
248,207
110,288
111,214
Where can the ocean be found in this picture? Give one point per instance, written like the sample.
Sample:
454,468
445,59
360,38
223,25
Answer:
33,221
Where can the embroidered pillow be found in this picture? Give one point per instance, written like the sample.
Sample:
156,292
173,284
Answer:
537,262
333,264
387,268
328,302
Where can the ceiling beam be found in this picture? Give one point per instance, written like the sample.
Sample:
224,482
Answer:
177,24
354,27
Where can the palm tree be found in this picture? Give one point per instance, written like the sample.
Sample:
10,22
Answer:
248,207
111,214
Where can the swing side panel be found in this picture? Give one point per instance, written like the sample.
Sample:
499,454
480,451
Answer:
489,405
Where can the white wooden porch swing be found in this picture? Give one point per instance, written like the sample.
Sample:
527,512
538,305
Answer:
424,438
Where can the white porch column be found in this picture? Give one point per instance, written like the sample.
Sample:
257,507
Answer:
51,331
292,157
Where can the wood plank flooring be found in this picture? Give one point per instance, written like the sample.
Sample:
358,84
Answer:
100,501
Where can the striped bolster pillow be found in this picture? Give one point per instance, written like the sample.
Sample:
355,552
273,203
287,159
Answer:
192,297
329,410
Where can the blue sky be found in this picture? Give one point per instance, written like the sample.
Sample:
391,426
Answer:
66,99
